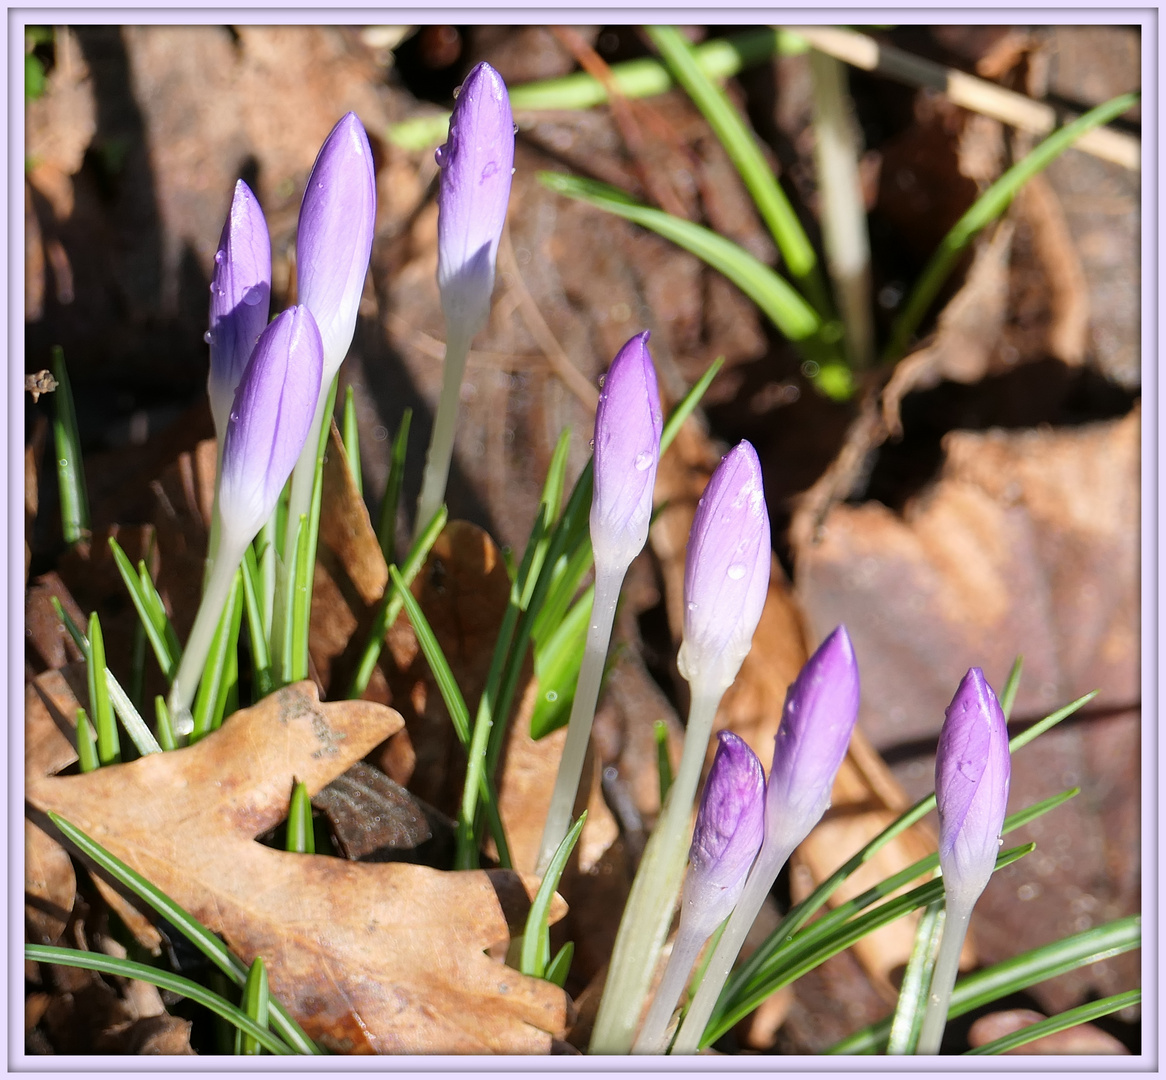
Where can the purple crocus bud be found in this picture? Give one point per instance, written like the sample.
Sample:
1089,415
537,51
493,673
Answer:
334,240
272,412
821,707
240,298
726,572
476,162
628,423
730,825
972,771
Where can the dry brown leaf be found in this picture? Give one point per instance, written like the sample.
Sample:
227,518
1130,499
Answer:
49,886
369,957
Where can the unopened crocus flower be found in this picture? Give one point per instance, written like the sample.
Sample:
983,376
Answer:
726,571
972,772
477,162
729,827
334,238
270,417
240,299
628,423
821,707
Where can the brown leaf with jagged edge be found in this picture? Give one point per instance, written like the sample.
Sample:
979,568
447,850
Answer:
381,958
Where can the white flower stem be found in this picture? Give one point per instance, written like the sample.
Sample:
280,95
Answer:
437,459
761,878
653,1035
947,964
607,585
648,912
210,610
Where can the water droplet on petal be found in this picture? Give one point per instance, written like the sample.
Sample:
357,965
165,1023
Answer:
489,169
691,605
252,296
439,156
602,380
590,444
643,461
515,132
209,338
736,571
234,416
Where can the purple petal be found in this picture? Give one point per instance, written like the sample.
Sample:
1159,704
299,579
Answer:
972,773
334,240
240,299
477,162
628,422
821,707
273,410
726,570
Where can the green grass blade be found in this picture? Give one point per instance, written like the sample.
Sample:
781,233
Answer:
301,833
198,935
252,601
663,761
87,758
164,727
215,672
144,607
100,707
157,612
986,209
720,58
350,436
67,443
556,668
391,603
256,1006
387,520
535,957
908,1019
688,403
741,146
780,302
178,984
227,698
1082,1014
560,966
1011,687
1018,973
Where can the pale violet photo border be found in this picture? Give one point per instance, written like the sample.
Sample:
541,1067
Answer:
530,12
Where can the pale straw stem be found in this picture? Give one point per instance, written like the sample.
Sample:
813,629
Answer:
947,964
559,816
653,1037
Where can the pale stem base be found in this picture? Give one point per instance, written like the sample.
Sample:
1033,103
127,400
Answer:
653,1035
607,585
761,879
648,912
437,460
210,610
947,964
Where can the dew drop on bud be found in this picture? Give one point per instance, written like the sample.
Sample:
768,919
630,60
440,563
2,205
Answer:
602,380
691,605
489,169
208,337
736,571
234,416
220,255
643,460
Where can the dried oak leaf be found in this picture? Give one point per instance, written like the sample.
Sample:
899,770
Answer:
382,958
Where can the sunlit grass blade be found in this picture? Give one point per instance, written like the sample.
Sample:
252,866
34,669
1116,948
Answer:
1011,687
387,519
1011,976
67,443
685,406
87,758
741,146
227,699
793,938
163,726
350,435
391,603
663,761
214,673
536,948
560,966
1082,1014
256,1007
556,668
157,612
780,302
165,980
143,604
986,209
908,1019
285,648
185,923
100,707
567,577
720,58
301,833
260,657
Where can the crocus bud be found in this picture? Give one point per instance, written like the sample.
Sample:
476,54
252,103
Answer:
476,162
334,240
726,572
821,707
628,423
730,825
270,418
972,771
240,298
